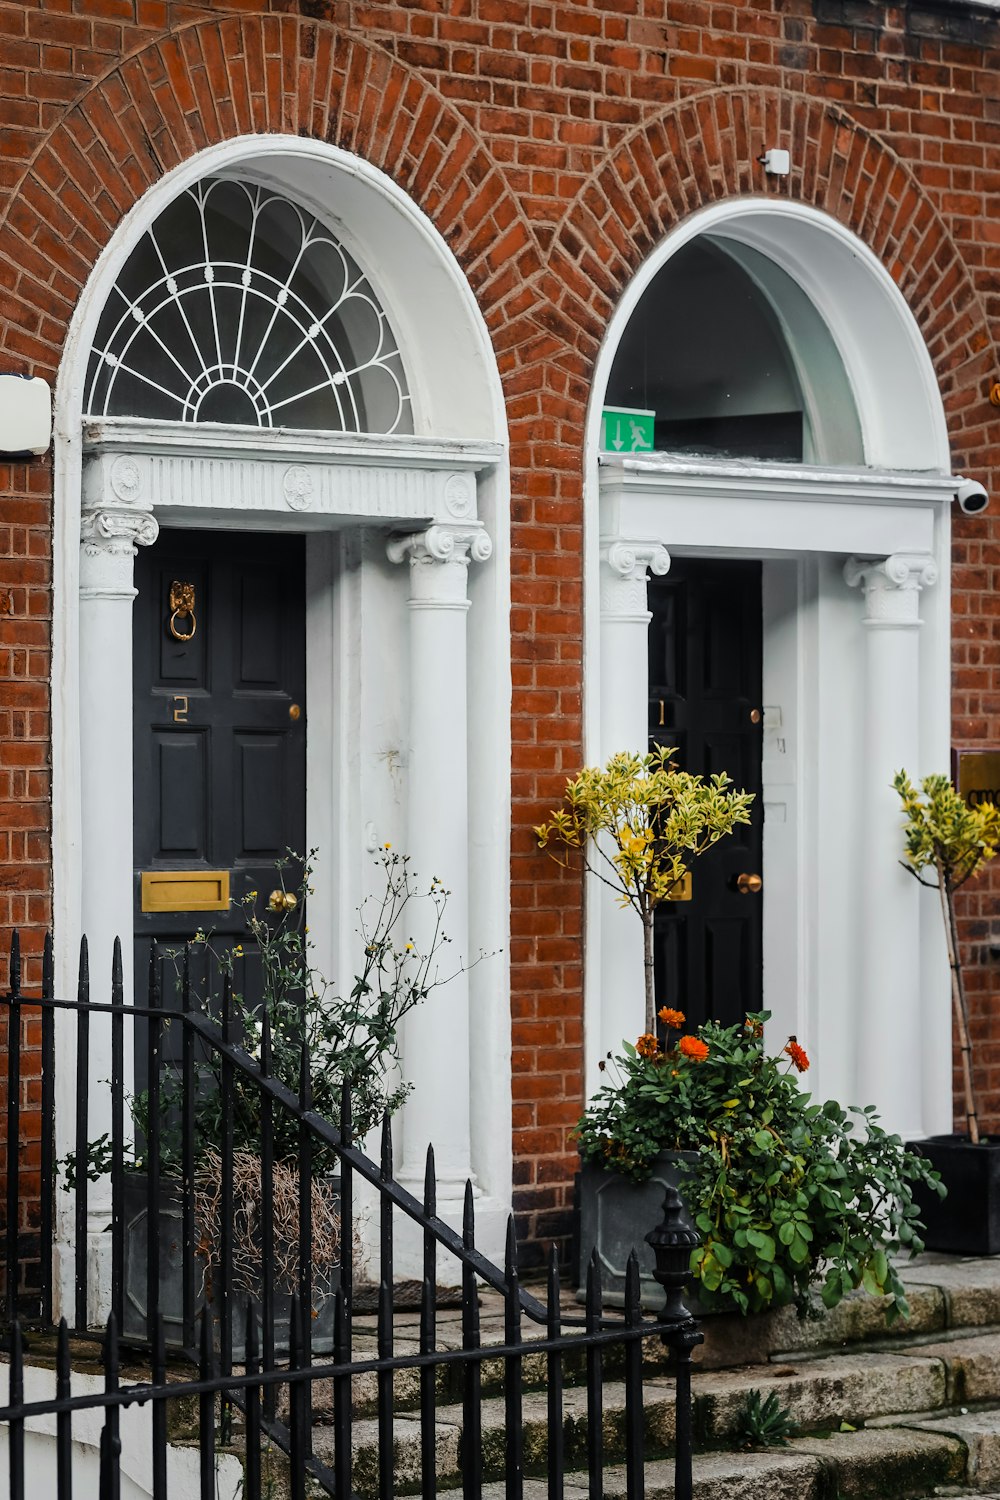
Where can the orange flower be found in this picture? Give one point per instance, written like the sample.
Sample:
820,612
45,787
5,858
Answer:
693,1047
647,1045
797,1054
670,1017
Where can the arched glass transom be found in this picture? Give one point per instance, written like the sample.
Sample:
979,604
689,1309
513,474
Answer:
238,305
733,361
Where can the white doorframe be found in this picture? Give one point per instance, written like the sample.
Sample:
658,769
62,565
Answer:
804,522
359,484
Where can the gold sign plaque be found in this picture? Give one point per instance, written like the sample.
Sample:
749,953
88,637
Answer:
977,775
682,891
185,890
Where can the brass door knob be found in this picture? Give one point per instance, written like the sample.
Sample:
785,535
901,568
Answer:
749,885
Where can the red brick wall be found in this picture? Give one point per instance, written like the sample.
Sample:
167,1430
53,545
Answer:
553,144
25,614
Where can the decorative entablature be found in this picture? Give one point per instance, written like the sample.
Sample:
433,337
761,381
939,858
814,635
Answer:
796,507
319,481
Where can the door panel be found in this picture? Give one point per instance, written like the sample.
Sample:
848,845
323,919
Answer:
705,684
183,793
219,727
263,774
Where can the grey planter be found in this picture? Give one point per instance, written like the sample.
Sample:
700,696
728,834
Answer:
615,1215
169,1228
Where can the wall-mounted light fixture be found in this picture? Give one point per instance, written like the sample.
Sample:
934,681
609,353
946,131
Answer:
776,163
25,416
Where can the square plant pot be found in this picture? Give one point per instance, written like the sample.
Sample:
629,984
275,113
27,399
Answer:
967,1221
614,1216
169,1228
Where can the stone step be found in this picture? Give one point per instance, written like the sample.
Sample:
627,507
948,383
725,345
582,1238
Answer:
820,1394
979,1429
949,1296
945,1292
891,1464
965,1366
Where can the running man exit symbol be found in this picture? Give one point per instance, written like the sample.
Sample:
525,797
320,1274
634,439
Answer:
626,430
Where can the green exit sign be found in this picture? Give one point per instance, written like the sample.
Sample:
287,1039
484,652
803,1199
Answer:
626,430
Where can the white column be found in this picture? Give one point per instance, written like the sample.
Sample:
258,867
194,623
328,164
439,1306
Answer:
887,1019
436,1039
111,530
625,617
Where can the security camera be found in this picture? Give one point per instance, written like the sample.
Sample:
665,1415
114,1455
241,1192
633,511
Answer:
971,497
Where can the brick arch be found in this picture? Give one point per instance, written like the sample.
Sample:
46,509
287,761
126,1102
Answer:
703,151
223,78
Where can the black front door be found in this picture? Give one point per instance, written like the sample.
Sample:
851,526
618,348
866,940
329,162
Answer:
705,648
219,734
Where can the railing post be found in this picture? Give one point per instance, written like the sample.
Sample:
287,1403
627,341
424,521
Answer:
13,1127
154,1059
47,1219
81,1189
672,1241
386,1442
118,1139
188,1086
111,1443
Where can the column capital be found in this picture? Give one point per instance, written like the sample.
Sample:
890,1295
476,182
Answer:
625,568
439,562
892,585
117,531
444,542
109,538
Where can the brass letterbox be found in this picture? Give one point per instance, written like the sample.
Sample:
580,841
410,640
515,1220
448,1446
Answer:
185,890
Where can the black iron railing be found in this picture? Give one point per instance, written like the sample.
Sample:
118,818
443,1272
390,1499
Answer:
255,1387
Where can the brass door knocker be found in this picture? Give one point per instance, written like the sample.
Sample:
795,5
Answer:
182,608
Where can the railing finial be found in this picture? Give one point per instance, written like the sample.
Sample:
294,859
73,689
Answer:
15,964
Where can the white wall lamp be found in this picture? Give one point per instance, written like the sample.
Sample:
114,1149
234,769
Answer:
776,163
25,416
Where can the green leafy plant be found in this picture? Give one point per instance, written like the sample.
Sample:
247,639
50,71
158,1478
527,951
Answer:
764,1422
946,834
787,1194
639,822
351,1037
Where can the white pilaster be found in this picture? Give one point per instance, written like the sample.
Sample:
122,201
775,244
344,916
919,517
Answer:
625,617
437,1034
888,1041
113,524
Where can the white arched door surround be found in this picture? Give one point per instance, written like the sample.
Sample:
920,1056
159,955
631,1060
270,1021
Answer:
856,679
444,492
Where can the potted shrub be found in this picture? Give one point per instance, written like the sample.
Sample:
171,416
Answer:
637,824
787,1195
352,1037
947,842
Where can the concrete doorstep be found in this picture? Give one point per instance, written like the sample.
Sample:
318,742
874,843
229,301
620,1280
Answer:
903,1413
910,1411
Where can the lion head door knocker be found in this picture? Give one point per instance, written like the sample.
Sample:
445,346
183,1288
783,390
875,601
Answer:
182,611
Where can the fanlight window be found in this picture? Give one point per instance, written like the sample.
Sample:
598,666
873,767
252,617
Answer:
239,306
734,361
